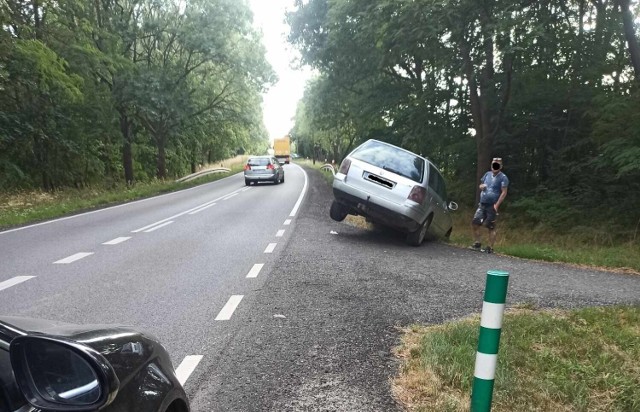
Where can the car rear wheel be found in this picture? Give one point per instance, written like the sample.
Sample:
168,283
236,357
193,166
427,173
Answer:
338,212
416,237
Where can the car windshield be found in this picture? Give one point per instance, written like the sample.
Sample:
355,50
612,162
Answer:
258,161
391,158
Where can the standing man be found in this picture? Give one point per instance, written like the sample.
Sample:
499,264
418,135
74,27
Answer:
493,190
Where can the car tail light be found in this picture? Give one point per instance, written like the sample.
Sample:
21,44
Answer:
418,193
270,166
344,167
247,167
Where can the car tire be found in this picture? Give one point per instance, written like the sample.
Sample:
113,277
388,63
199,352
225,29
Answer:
416,237
282,180
247,182
338,212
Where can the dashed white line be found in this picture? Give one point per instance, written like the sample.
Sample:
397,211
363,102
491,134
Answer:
187,367
14,281
245,189
229,308
287,222
280,233
255,270
73,258
270,248
202,208
158,227
230,196
117,240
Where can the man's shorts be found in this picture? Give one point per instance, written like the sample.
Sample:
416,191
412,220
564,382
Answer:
485,215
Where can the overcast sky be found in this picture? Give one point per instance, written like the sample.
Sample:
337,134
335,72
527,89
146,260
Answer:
279,104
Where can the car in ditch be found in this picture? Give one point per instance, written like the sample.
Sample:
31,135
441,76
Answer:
394,187
54,366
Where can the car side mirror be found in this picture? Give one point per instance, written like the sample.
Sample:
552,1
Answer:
55,374
452,206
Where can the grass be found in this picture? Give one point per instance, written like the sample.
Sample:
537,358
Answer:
19,208
580,360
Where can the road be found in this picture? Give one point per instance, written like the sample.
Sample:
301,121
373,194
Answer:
175,265
314,329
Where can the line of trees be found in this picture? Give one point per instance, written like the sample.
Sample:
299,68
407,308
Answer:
551,86
109,91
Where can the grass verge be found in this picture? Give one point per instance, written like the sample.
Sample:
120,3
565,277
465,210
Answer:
579,360
31,206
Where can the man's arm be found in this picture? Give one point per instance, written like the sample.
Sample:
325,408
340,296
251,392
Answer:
503,194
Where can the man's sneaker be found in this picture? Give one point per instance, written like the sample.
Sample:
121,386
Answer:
475,246
487,249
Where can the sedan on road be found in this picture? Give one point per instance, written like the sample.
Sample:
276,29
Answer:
52,366
394,187
263,169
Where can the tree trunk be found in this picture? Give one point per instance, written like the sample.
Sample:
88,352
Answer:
127,156
161,164
630,36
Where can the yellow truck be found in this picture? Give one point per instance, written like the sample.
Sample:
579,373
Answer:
282,149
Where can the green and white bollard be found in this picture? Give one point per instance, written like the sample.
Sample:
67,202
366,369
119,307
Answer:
495,295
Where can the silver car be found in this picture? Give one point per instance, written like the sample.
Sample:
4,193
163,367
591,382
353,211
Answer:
263,168
394,187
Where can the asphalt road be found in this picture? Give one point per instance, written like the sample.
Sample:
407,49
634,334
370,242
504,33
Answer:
314,328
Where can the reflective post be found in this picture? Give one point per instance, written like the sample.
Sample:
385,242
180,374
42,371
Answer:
495,295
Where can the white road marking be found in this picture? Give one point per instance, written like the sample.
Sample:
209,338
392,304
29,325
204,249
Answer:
229,197
117,240
229,308
255,270
187,367
245,189
280,233
73,258
158,227
270,248
112,207
14,281
183,213
287,222
304,190
202,208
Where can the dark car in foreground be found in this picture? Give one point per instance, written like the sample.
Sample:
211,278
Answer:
394,187
263,169
53,366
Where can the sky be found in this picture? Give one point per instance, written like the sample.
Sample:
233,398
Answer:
279,103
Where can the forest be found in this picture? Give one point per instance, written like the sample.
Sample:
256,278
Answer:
111,92
551,86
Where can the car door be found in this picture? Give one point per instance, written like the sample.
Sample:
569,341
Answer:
436,200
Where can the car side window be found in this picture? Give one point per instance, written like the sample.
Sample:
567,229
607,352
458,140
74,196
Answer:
442,188
433,179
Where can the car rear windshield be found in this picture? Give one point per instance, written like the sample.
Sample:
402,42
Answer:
392,159
258,161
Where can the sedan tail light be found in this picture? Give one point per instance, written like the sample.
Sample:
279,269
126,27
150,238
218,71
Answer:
418,193
344,167
270,166
247,167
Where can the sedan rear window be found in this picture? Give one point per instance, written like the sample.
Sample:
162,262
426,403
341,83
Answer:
258,161
392,159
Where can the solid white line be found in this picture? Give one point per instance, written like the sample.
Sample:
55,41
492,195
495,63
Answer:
229,308
280,233
492,315
202,208
182,213
229,197
255,270
113,207
14,281
270,248
75,257
117,240
187,367
304,190
287,222
158,227
485,366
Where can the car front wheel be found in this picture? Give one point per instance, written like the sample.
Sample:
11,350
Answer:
247,182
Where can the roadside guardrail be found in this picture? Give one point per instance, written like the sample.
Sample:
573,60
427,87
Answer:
203,173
